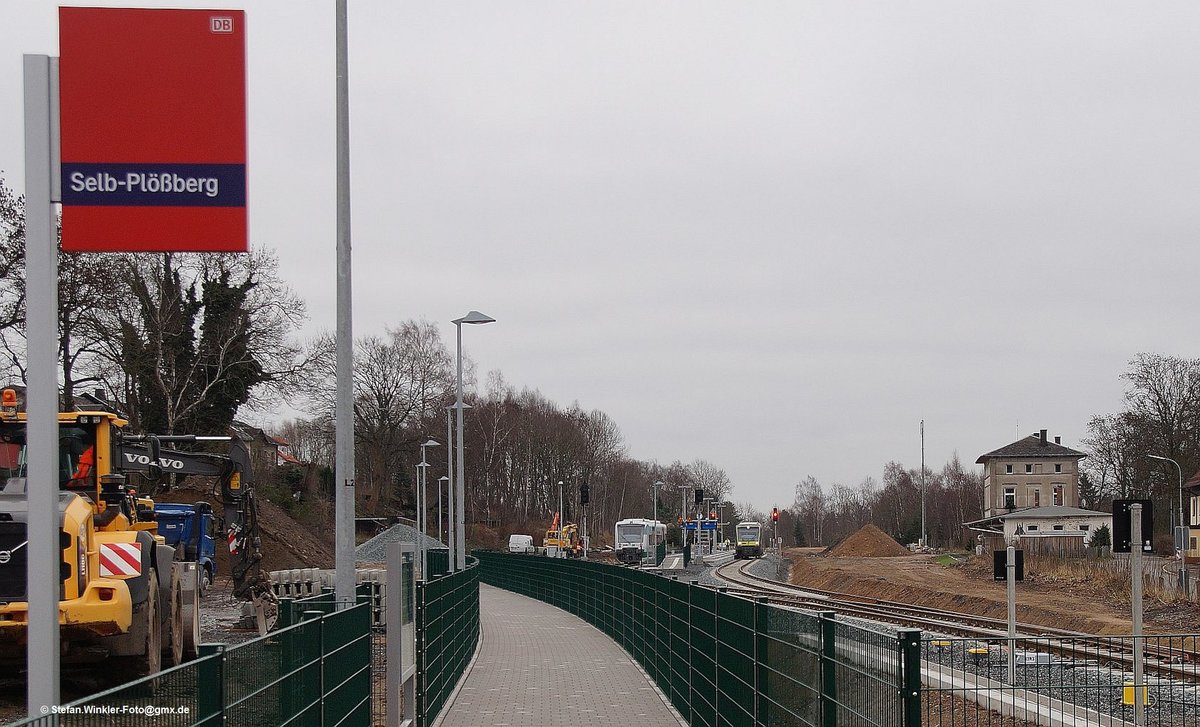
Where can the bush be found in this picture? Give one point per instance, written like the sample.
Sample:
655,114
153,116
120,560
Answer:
1101,538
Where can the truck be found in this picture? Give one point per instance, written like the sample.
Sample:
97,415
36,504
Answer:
192,529
128,601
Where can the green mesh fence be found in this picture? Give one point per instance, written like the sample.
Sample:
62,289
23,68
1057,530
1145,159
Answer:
724,660
315,671
447,634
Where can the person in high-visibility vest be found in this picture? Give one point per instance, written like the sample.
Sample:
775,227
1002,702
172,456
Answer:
82,477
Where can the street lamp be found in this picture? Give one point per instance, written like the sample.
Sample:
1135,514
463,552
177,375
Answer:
450,529
1181,516
657,484
472,318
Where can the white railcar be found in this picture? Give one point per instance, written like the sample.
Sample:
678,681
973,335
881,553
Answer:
635,538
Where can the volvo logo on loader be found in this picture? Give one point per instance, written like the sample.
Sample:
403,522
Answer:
143,459
6,555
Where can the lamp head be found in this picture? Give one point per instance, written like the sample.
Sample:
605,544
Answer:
432,443
475,318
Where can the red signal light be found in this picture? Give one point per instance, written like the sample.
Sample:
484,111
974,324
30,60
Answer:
775,515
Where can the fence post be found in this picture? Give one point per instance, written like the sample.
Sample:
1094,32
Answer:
210,701
829,703
909,643
761,713
320,618
286,658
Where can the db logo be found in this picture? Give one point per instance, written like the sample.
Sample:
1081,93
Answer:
219,24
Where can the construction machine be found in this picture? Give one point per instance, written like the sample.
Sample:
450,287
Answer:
127,599
562,542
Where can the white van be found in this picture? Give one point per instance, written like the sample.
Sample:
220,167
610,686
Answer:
520,544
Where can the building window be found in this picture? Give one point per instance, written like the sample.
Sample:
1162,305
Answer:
1037,498
1058,527
1058,494
1058,469
1008,469
1193,544
1031,528
1028,469
1010,497
1085,527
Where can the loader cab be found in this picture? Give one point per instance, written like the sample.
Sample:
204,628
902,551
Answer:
86,451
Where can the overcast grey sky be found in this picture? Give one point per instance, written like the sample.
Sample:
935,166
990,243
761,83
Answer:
774,235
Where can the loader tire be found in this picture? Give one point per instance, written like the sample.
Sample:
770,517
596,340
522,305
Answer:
145,615
172,626
191,618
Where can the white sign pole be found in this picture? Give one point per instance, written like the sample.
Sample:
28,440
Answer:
41,394
1135,573
1011,569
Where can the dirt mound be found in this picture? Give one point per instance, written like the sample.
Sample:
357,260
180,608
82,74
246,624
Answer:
868,542
285,542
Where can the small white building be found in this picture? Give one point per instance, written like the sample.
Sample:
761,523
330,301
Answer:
1065,526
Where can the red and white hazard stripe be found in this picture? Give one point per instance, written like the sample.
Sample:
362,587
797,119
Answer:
120,559
233,541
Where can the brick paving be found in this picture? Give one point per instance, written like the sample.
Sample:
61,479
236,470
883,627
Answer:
539,666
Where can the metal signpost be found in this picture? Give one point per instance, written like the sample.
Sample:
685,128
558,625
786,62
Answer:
1011,570
399,592
141,134
1135,572
41,395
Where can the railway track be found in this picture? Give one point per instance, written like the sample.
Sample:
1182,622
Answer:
1179,662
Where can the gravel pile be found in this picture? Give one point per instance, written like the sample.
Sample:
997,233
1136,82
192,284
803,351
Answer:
868,542
375,549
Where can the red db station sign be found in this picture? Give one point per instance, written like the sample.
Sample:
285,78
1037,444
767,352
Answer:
153,129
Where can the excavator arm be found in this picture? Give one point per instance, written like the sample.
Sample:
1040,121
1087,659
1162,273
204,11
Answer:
146,455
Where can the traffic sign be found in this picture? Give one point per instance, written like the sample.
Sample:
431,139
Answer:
708,525
689,525
153,129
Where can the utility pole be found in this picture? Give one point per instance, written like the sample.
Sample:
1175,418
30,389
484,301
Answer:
344,409
924,535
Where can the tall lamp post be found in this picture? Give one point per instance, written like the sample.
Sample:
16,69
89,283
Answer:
422,505
1182,521
657,484
472,318
443,484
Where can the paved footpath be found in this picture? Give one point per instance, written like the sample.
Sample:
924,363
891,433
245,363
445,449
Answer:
539,666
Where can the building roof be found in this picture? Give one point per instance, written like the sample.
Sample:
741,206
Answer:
1031,446
1044,511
